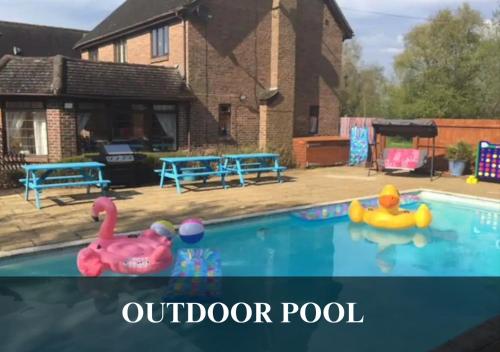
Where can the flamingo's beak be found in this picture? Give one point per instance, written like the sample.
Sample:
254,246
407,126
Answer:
94,215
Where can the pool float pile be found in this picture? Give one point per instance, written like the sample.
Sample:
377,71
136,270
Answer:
388,215
148,253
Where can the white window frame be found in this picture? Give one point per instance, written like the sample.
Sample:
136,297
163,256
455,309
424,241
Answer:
120,49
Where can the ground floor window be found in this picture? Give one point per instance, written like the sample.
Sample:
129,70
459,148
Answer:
146,127
26,128
313,119
224,120
164,131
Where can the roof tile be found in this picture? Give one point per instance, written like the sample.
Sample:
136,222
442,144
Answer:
81,78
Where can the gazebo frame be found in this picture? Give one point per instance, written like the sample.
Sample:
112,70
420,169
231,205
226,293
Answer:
405,128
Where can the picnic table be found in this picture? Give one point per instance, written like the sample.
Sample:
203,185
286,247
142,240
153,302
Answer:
191,168
244,164
85,174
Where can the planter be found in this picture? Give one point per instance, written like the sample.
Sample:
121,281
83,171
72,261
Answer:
457,167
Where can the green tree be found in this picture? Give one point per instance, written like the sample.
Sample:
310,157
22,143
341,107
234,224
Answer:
489,56
363,88
438,72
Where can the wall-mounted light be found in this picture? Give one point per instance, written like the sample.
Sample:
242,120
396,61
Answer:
243,97
69,106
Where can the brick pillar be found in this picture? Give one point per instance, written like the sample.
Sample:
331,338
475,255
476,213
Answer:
61,131
182,126
277,117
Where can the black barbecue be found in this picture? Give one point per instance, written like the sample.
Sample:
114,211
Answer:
123,165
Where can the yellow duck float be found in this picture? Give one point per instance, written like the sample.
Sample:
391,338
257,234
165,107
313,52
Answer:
389,216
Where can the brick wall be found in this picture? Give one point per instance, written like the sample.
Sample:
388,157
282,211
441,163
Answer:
229,58
61,132
238,49
317,74
182,128
277,124
106,53
246,47
139,49
2,133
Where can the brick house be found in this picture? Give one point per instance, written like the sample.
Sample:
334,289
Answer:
246,72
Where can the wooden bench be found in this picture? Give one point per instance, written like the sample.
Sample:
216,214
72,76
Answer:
180,169
38,178
244,164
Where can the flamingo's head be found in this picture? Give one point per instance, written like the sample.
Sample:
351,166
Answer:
102,204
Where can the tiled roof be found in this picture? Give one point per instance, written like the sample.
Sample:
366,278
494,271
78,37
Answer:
34,40
136,13
62,76
130,14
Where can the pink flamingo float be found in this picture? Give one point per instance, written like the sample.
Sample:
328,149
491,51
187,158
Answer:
146,254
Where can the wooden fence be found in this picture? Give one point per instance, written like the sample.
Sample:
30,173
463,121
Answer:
451,131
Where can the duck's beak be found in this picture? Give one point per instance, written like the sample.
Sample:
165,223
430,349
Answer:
389,201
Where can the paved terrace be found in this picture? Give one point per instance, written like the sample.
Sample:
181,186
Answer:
66,213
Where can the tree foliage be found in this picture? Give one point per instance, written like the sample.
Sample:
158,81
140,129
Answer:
450,67
363,88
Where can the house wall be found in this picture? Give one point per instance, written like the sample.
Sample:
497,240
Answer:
2,143
106,53
228,63
246,47
236,50
61,132
139,49
318,67
277,124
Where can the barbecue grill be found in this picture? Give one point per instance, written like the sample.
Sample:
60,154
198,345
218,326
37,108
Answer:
123,165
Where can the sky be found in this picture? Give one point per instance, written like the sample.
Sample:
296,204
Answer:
379,25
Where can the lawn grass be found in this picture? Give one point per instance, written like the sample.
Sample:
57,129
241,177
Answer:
399,142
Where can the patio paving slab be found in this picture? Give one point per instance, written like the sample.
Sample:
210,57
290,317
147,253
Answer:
66,213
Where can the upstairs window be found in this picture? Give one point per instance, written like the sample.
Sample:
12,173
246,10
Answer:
121,51
313,119
94,54
160,42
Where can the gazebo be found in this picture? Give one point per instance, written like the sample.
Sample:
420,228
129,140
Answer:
405,128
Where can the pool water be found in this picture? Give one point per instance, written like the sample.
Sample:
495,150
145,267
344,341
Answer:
464,240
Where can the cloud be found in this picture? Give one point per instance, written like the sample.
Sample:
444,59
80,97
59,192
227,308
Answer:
408,7
381,34
392,51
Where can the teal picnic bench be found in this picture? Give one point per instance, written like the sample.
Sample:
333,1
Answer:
38,177
191,169
244,164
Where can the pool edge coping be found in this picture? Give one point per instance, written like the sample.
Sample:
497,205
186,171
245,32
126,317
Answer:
66,245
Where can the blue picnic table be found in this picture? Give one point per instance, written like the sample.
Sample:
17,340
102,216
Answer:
191,169
244,164
38,177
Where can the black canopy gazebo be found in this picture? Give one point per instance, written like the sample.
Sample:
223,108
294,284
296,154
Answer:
406,128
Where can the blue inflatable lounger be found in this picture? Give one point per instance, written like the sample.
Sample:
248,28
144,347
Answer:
196,275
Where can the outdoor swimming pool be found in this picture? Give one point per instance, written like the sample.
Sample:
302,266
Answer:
464,240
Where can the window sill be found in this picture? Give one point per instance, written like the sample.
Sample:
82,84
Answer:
158,59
